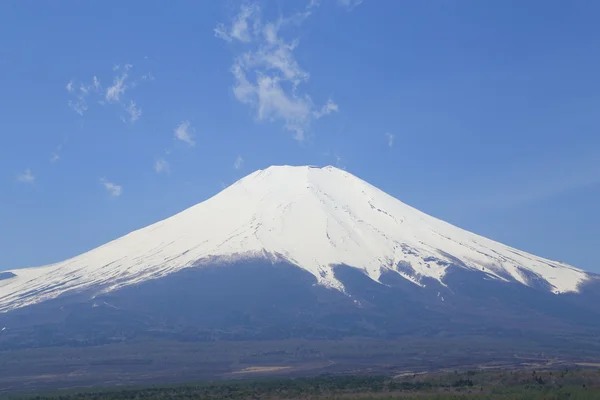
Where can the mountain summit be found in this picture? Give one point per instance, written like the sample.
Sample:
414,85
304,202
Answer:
312,218
298,252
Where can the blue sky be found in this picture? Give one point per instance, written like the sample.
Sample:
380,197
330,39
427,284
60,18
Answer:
117,114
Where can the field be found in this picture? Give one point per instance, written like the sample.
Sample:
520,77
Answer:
167,362
578,384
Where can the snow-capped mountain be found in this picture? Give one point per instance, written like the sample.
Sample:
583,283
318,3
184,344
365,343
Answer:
312,218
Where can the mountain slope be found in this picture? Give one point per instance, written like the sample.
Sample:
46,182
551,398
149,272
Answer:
312,218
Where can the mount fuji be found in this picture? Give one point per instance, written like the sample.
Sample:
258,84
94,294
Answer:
297,252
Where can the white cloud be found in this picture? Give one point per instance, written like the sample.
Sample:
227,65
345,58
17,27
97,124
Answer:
134,112
339,162
313,4
56,153
143,78
79,106
119,86
390,138
116,93
327,109
183,132
162,165
238,163
267,75
113,189
349,4
81,93
26,176
239,26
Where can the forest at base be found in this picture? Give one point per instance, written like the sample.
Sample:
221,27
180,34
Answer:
574,384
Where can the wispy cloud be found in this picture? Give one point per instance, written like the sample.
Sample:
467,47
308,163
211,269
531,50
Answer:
26,176
133,111
144,78
313,4
162,166
238,163
390,139
55,156
80,93
183,132
239,29
339,162
79,106
119,86
267,75
112,189
349,4
84,93
327,109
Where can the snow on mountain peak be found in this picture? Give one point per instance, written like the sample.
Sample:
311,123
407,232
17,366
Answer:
315,218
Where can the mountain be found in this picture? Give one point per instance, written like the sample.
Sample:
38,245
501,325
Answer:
297,252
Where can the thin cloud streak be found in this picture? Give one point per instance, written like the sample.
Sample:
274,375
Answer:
162,166
119,86
26,176
183,132
113,189
86,94
390,139
238,163
349,4
133,111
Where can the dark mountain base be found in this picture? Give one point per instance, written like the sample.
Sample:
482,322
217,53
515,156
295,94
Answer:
208,322
258,300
